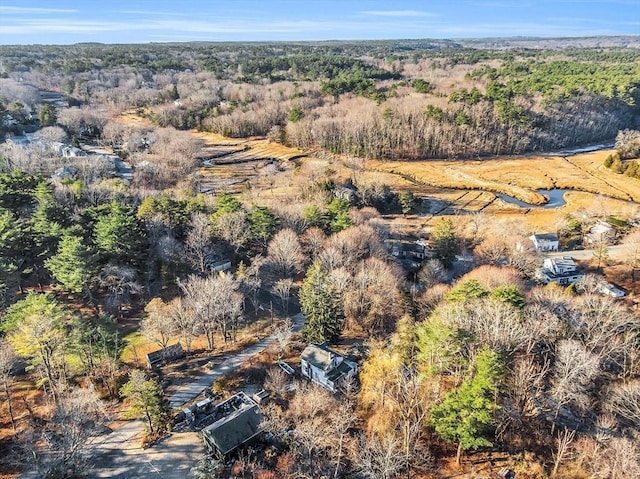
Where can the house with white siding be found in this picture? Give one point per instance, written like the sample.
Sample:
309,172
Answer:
326,367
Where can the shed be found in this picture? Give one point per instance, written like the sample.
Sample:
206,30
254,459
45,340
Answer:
162,356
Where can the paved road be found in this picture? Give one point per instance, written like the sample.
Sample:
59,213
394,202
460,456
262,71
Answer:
614,251
118,455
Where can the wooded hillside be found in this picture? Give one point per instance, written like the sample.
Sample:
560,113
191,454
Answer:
385,99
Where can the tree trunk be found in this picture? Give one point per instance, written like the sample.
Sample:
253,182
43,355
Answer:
149,420
459,453
335,474
210,340
48,369
7,393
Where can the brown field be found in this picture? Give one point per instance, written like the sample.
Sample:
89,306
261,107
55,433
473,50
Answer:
519,177
234,165
470,186
455,187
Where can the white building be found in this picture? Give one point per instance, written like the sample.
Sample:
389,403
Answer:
600,232
545,241
325,367
563,271
609,289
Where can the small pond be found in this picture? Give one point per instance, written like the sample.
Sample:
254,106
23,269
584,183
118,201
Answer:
555,196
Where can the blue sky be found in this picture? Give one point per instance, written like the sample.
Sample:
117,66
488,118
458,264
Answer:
117,21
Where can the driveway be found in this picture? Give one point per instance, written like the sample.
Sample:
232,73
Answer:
119,455
188,392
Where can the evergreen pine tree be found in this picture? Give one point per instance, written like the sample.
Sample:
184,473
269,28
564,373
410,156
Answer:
444,241
321,305
73,266
466,413
119,236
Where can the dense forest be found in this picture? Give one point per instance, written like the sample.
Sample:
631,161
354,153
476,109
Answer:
389,99
110,248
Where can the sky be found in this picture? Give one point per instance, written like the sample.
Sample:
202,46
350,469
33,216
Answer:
142,21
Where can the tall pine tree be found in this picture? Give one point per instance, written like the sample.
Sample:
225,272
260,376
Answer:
466,414
321,305
119,236
74,264
443,241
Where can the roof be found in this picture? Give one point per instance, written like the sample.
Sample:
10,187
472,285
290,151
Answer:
344,368
319,355
566,261
239,425
542,237
610,289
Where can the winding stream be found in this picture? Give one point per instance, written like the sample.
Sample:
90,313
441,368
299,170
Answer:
555,197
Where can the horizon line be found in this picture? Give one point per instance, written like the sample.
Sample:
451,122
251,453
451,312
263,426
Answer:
359,40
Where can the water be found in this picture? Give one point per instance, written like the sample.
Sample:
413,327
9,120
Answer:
555,196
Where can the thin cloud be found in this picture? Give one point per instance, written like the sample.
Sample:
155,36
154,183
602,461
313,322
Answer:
499,4
73,26
397,13
149,12
573,20
34,10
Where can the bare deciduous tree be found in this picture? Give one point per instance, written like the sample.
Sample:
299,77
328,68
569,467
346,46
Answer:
233,228
313,240
575,369
282,336
198,243
379,457
250,278
372,300
277,382
285,254
215,301
121,283
282,290
618,458
623,401
563,449
158,325
432,272
340,422
185,322
631,248
63,453
52,133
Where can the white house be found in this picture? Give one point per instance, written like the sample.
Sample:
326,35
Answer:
600,232
610,289
325,367
563,271
545,241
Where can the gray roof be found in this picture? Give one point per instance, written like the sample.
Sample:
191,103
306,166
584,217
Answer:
319,355
564,261
541,237
241,424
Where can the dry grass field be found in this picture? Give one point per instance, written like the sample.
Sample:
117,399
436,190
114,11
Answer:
456,187
234,165
470,186
520,177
